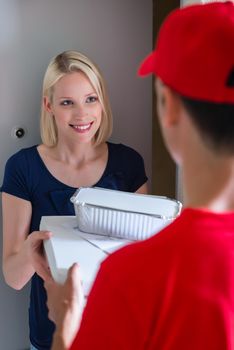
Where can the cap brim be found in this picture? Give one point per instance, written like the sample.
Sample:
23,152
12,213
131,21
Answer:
148,65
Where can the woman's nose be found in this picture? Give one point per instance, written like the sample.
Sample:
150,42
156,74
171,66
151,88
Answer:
80,112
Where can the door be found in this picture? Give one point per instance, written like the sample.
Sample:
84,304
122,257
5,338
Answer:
164,172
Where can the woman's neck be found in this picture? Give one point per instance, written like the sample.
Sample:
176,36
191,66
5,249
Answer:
75,153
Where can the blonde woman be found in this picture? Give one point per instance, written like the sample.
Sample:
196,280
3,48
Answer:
76,123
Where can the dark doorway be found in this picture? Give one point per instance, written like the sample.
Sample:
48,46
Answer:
163,167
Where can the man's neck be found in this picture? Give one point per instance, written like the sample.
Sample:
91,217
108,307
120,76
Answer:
209,183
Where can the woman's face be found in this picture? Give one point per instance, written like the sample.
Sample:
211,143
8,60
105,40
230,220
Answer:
75,107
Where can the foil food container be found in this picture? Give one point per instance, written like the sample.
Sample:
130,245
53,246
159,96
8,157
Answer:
122,214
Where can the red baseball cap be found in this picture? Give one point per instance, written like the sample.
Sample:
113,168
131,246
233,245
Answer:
194,53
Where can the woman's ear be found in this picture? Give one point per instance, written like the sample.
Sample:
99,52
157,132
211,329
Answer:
47,104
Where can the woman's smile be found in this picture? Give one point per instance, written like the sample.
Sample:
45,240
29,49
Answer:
81,128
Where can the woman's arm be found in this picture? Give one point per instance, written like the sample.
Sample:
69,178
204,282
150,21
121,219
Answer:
143,189
21,252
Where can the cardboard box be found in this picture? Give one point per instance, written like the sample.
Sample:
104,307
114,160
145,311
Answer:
69,245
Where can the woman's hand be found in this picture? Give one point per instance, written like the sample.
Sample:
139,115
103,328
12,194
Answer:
33,248
65,303
22,252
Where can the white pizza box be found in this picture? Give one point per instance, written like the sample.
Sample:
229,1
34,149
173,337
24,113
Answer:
69,245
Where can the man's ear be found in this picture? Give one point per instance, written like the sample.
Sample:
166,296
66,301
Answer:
171,106
47,104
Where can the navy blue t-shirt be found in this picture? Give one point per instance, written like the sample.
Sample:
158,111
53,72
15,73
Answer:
27,177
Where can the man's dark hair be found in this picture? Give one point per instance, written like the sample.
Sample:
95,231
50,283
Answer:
215,122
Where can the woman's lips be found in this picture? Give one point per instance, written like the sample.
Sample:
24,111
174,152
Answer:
81,128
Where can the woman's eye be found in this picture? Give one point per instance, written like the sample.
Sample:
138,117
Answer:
66,103
91,99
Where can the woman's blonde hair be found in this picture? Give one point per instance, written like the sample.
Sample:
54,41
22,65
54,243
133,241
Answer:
66,63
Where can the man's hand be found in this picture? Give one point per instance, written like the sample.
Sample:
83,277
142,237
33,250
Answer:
65,303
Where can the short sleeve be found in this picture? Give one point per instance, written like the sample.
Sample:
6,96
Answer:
138,174
16,179
134,168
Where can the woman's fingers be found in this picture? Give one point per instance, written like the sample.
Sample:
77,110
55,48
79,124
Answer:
37,237
36,253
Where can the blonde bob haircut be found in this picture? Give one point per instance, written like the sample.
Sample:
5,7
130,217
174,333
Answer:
67,63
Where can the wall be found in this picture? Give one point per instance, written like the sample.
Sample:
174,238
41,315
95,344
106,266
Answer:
116,35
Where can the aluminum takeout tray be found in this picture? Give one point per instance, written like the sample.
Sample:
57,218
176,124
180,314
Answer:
122,214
